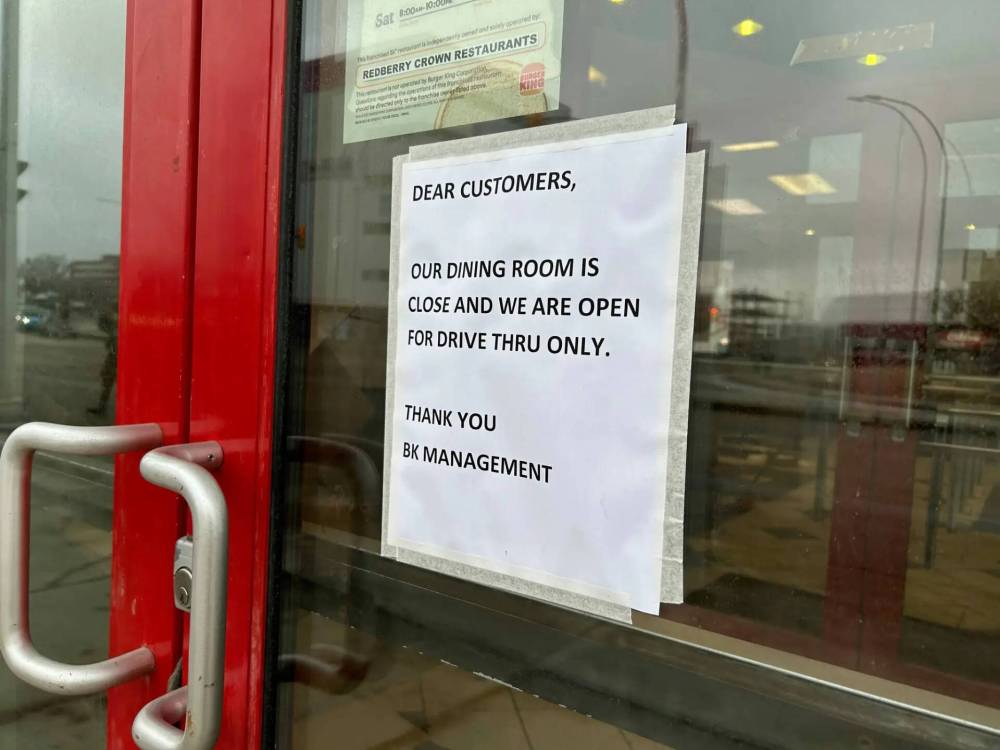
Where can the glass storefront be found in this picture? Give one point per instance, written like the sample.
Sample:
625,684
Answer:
843,492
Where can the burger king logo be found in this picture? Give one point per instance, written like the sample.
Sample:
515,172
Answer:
532,79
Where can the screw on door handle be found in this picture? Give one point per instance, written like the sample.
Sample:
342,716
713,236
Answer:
184,469
15,505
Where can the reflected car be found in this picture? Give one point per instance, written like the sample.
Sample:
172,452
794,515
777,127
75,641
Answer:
33,319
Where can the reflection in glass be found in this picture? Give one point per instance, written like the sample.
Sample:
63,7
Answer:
61,111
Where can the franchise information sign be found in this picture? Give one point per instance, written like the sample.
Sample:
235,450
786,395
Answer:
534,342
415,65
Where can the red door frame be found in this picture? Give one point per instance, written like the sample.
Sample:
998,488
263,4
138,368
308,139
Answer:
197,330
243,71
158,219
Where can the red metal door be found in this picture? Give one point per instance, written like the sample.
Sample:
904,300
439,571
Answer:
160,135
233,312
199,235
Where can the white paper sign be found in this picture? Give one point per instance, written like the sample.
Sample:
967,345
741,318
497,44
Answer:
535,325
429,64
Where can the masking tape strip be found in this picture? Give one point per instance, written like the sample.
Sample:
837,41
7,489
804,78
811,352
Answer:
524,582
608,605
644,119
389,550
548,594
672,580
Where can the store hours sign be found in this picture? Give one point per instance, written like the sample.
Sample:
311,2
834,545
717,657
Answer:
532,358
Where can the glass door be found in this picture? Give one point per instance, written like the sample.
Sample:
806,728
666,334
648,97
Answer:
838,465
96,111
839,549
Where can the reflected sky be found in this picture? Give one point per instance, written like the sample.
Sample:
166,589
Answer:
70,112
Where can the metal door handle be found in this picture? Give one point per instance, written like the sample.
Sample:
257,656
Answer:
15,514
184,469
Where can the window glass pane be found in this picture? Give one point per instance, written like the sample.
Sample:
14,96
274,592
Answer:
61,113
842,457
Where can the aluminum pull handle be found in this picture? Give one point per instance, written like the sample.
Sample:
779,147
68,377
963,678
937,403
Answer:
15,515
184,469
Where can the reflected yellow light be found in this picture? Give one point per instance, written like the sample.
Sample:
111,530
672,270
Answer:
810,233
871,60
750,146
736,207
747,27
596,76
618,2
808,183
971,227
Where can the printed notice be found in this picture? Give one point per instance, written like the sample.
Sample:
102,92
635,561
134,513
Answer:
535,324
416,65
